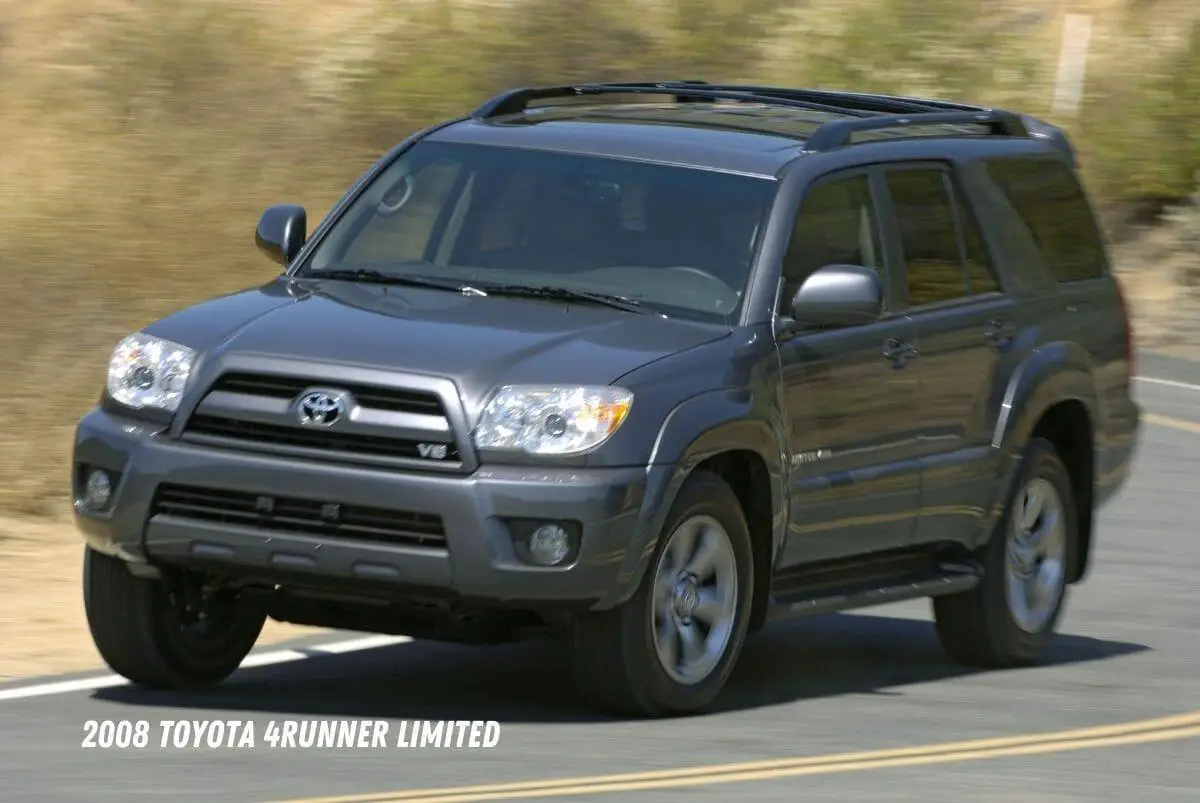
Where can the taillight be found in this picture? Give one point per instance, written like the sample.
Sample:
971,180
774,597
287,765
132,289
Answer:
1130,352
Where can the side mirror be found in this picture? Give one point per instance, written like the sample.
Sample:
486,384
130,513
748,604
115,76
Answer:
838,295
281,232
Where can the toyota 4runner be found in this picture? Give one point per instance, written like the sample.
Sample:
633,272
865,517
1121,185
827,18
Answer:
645,364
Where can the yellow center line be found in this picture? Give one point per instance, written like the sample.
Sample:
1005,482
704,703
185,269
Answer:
1183,726
1174,423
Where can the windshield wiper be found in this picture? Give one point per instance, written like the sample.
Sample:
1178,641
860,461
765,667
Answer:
563,294
379,277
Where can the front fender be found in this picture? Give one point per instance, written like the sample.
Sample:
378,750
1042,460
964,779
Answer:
695,430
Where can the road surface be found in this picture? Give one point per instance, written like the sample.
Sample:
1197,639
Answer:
844,707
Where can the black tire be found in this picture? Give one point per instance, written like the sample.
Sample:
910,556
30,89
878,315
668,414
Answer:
615,662
977,627
136,630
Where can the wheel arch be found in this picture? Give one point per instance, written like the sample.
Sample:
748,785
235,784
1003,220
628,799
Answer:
1053,395
724,433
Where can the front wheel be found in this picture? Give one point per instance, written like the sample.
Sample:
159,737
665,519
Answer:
148,635
671,647
1008,619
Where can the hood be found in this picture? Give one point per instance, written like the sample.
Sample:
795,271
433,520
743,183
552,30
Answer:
477,342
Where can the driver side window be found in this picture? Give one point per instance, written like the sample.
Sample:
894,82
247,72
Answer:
836,224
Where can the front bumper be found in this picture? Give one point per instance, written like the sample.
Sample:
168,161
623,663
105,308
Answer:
477,560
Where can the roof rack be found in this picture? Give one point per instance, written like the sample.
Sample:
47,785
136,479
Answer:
869,112
518,100
838,133
849,101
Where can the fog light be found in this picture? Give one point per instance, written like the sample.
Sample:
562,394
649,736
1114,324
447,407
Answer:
549,545
98,489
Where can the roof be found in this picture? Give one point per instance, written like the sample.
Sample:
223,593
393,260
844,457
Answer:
732,128
755,139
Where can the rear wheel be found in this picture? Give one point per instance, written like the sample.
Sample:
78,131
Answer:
671,647
151,634
1009,618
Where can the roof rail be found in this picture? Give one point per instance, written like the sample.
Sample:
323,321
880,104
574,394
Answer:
518,100
838,133
849,101
873,112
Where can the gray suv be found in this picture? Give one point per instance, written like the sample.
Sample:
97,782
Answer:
647,365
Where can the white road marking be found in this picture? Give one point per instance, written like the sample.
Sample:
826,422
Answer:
62,687
334,648
1171,383
354,645
253,660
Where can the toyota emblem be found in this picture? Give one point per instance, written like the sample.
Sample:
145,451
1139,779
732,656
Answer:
321,408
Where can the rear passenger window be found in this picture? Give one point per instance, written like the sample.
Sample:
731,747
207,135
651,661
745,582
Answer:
981,277
929,236
1050,202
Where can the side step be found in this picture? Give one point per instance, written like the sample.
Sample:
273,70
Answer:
810,592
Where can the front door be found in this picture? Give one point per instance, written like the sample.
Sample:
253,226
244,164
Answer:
849,394
965,327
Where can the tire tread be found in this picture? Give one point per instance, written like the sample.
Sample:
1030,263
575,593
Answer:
120,610
975,627
605,649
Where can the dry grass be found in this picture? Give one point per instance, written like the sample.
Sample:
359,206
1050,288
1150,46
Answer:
1160,270
142,137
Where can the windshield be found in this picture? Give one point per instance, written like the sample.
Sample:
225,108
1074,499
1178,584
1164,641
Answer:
678,240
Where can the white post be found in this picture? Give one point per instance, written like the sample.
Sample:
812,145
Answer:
1072,65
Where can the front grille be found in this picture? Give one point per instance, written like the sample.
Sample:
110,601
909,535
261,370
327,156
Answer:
286,387
351,443
401,427
304,516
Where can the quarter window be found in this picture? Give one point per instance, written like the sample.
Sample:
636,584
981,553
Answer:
1050,202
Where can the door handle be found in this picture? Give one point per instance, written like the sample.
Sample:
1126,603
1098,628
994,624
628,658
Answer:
898,352
1000,332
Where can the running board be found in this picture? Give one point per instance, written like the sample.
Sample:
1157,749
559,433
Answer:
945,579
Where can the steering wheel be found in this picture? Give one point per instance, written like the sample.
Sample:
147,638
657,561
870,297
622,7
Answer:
387,210
721,301
697,272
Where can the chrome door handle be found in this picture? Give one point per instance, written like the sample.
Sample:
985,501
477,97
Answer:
898,352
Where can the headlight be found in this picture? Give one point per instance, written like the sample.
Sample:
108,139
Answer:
552,420
148,371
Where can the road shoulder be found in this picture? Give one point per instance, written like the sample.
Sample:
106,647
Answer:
41,604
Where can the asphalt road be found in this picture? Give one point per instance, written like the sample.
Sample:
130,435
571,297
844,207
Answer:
805,694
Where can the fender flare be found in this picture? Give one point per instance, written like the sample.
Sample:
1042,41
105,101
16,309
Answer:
1052,374
698,428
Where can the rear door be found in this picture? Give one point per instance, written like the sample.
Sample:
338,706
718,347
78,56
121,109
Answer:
966,326
849,394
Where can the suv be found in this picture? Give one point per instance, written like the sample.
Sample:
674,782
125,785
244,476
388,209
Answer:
648,365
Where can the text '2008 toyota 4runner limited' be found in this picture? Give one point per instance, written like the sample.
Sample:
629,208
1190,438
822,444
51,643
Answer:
646,364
